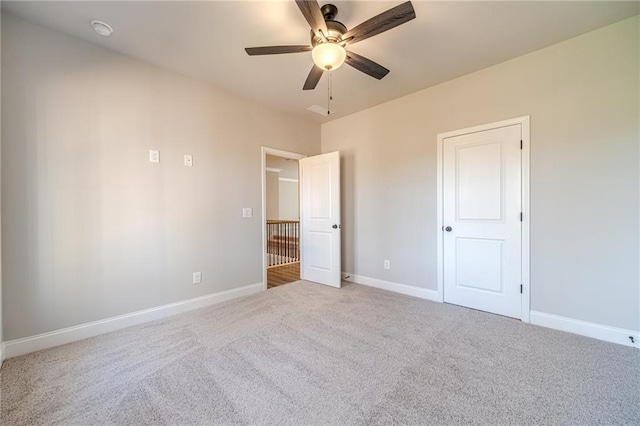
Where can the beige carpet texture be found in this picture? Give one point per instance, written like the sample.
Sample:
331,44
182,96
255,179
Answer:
305,354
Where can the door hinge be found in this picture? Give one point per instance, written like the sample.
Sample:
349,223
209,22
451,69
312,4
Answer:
520,288
520,144
520,216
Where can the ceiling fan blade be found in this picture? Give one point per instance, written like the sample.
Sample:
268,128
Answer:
276,50
365,65
381,23
313,78
311,11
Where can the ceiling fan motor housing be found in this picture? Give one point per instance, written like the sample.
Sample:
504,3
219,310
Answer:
335,29
329,11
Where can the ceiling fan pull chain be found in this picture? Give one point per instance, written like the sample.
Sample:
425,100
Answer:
331,86
330,93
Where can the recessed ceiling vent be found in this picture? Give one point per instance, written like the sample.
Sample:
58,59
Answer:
319,110
102,28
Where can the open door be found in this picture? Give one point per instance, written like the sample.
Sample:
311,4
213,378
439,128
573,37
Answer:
320,219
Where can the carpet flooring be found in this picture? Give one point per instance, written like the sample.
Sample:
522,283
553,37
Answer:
313,355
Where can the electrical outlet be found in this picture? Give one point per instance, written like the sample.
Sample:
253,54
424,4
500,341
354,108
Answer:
247,212
188,160
154,156
387,264
197,277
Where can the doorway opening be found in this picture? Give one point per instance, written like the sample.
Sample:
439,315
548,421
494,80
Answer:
281,217
315,239
283,221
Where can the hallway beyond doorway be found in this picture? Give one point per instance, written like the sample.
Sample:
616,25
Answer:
285,274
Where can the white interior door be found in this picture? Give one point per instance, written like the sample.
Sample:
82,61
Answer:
482,220
320,219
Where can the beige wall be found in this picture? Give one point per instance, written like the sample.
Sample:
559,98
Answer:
282,198
582,96
289,208
273,196
282,193
91,229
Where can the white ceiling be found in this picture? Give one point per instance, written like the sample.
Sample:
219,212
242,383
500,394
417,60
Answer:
288,167
205,40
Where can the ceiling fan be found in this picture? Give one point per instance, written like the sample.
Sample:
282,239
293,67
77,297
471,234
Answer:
329,38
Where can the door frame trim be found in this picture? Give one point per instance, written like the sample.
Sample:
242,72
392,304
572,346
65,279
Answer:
280,153
524,122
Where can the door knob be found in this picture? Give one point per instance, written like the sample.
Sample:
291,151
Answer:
335,226
448,229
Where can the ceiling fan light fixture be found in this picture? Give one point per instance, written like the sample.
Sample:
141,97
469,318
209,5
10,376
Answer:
329,56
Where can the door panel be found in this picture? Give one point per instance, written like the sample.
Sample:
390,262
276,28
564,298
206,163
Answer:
320,219
320,182
482,205
480,263
479,183
320,250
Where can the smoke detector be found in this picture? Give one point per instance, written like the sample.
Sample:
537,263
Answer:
102,28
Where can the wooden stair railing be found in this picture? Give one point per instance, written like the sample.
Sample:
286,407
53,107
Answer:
283,242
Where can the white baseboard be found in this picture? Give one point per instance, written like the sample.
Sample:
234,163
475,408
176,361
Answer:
71,334
569,325
409,290
584,328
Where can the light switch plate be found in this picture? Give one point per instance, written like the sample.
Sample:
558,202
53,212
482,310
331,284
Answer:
154,156
188,160
247,212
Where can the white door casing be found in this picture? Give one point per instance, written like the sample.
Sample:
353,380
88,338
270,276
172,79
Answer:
320,219
482,205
